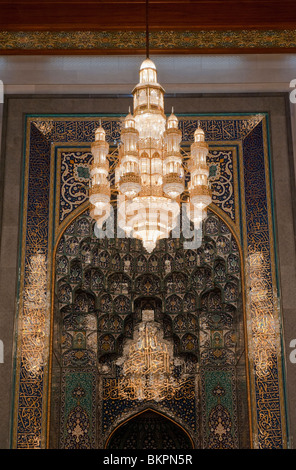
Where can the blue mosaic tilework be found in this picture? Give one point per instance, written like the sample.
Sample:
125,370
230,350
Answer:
219,399
258,241
29,419
219,130
78,410
183,408
75,180
36,219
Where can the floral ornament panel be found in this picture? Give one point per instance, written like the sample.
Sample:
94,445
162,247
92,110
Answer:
74,181
75,177
222,181
135,40
220,415
78,425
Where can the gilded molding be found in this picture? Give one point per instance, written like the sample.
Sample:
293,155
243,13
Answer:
129,41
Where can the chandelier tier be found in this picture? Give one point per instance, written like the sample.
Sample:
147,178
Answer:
150,173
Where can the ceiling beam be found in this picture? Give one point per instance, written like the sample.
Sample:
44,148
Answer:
69,15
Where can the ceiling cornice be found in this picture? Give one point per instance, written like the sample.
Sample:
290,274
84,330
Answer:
118,27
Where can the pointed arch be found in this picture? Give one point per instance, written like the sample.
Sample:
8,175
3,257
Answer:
142,414
107,343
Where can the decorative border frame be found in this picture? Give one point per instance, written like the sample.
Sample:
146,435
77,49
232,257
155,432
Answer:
126,42
30,410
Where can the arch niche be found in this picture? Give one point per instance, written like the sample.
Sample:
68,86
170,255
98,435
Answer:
99,289
149,429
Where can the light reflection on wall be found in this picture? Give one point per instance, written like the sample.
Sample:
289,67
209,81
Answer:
263,303
34,314
147,371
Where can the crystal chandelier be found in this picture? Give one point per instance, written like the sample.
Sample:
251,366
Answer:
150,173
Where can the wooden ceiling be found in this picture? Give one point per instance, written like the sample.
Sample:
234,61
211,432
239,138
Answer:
130,15
271,19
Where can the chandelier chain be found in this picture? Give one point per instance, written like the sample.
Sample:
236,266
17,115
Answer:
147,29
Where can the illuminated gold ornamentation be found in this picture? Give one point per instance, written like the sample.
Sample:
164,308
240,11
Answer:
248,126
147,371
45,127
34,315
135,40
264,306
